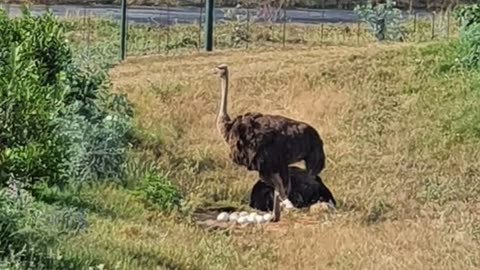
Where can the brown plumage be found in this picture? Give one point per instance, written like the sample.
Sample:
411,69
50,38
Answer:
268,144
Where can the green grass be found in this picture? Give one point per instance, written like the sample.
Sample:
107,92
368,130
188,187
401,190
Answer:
400,127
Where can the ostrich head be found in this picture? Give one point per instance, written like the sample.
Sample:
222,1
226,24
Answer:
222,71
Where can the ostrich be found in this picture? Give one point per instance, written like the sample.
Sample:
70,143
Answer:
268,144
304,192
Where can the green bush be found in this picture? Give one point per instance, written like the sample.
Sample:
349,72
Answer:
58,125
58,121
468,17
30,231
158,191
382,19
32,87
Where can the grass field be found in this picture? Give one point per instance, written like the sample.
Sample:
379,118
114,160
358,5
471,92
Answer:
400,123
400,126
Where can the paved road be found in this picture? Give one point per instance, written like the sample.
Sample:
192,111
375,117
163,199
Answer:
187,14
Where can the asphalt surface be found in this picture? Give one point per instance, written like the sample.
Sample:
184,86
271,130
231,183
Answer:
162,15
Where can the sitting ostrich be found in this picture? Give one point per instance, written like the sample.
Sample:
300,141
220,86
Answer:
268,144
304,192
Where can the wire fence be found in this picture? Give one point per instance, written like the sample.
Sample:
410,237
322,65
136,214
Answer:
165,28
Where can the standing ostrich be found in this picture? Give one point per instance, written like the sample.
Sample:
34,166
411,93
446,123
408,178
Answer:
268,144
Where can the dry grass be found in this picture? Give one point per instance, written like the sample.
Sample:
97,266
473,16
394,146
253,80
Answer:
402,160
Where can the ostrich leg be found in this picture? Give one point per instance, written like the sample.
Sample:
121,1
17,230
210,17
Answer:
280,195
276,206
282,192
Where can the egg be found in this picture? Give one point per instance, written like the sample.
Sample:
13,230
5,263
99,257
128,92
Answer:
233,216
243,213
222,216
267,217
251,218
259,219
242,220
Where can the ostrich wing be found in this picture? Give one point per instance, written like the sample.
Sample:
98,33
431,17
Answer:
251,135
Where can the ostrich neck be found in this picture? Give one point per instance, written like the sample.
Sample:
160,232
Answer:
223,117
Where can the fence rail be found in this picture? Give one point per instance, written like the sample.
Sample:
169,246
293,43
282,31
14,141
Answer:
168,29
329,4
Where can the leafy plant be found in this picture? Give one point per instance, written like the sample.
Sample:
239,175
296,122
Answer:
58,121
383,19
467,15
30,231
238,20
157,190
32,88
470,41
468,18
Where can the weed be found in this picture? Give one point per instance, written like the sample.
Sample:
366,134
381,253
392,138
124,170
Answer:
158,191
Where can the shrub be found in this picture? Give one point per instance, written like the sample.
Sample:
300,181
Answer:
468,17
58,122
32,87
158,191
97,126
30,231
238,21
383,19
58,125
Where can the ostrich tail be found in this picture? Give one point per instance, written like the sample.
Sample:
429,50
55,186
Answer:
316,159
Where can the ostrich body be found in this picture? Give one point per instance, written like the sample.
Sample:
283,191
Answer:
268,144
304,192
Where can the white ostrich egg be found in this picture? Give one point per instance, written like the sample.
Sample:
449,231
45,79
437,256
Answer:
242,220
251,218
233,216
267,217
222,216
259,219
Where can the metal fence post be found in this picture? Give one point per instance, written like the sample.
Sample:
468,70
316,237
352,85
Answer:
284,26
209,6
123,33
200,25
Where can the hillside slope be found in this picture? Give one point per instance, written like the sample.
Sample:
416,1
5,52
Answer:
400,128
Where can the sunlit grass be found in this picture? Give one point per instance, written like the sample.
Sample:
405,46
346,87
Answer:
400,167
400,130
